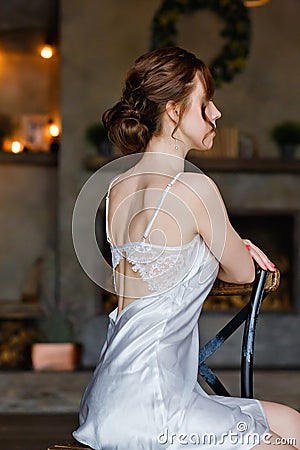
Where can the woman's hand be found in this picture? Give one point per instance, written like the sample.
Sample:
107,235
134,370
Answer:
259,256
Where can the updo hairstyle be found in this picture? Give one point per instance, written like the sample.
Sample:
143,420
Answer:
164,74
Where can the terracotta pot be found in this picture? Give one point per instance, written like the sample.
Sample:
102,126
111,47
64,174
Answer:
55,356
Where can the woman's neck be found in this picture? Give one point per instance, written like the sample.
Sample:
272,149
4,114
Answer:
165,155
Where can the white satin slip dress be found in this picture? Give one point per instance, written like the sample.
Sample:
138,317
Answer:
144,393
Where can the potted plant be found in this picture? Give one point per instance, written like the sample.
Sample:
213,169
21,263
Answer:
96,135
287,137
57,350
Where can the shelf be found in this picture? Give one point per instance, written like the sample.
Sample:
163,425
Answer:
95,162
255,165
12,310
29,158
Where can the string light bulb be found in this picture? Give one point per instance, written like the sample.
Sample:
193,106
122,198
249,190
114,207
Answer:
16,147
53,130
47,51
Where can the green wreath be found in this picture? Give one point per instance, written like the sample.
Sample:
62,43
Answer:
237,32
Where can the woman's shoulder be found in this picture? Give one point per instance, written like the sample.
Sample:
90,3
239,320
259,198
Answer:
120,181
190,185
199,183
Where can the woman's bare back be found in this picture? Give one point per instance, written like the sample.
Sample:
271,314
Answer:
133,200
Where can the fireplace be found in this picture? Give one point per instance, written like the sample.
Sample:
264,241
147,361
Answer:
274,232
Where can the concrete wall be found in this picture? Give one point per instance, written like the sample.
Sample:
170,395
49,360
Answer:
28,194
28,200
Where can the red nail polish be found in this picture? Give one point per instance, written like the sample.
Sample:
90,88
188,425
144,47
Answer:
248,247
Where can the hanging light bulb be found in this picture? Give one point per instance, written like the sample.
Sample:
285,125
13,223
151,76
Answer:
47,51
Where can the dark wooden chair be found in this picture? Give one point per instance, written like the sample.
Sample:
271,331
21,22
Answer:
264,283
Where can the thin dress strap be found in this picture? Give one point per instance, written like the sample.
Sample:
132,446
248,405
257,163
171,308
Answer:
157,209
106,208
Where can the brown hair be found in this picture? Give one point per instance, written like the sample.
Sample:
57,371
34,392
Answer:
167,73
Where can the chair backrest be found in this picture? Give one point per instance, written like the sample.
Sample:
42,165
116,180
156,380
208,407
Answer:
264,283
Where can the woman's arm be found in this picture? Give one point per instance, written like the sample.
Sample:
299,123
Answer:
234,254
236,264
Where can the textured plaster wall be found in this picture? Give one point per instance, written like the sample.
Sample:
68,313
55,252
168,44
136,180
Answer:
28,200
267,91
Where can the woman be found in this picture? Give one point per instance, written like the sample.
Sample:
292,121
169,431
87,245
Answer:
170,238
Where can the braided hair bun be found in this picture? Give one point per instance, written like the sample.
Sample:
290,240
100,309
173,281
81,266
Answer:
126,128
165,74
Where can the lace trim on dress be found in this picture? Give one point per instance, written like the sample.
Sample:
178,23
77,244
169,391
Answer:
160,267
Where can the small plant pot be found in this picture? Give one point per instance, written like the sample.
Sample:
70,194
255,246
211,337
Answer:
104,148
288,151
48,356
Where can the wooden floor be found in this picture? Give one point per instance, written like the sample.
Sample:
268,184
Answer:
36,432
22,431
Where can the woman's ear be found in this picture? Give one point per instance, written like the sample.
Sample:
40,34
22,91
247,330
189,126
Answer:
173,111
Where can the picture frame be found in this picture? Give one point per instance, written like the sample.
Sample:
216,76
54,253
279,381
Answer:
34,132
